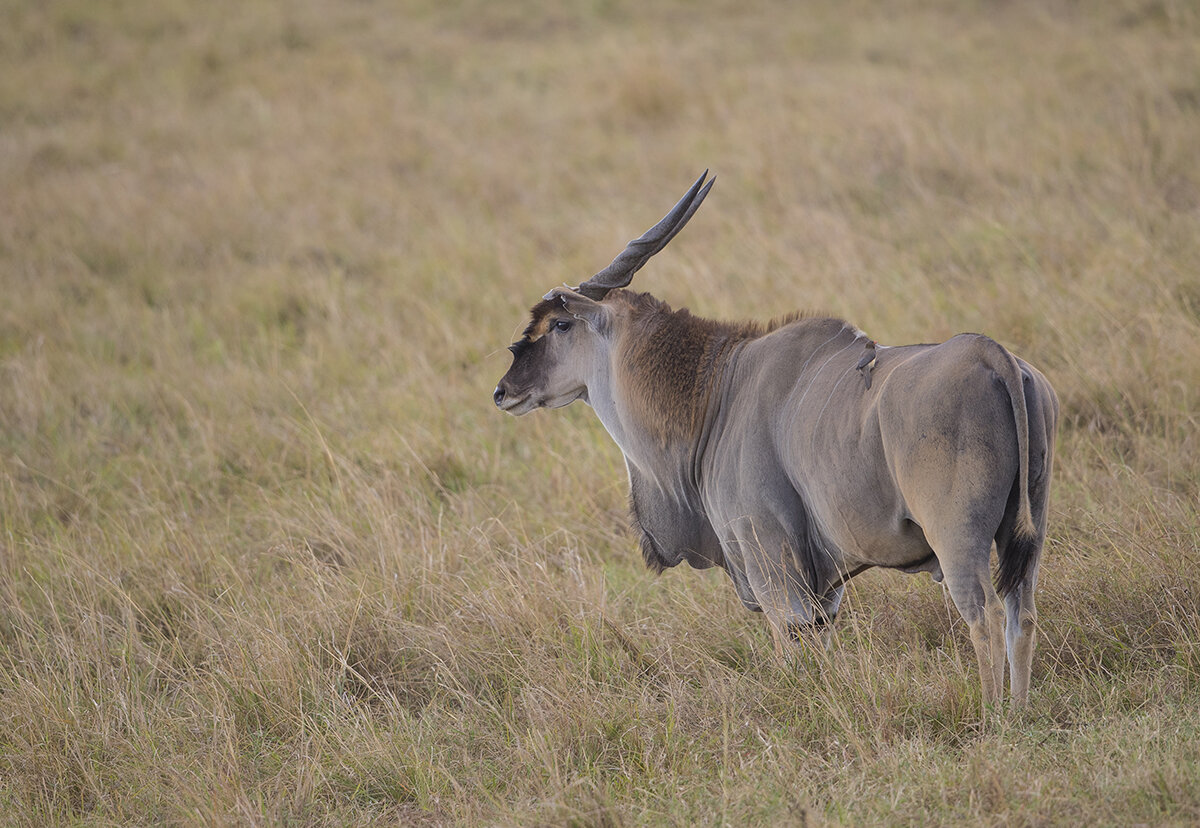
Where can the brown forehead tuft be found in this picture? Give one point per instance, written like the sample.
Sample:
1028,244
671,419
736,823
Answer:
540,317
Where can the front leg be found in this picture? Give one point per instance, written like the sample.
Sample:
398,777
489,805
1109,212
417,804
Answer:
768,558
819,633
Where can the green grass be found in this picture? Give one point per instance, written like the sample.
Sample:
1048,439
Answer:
269,555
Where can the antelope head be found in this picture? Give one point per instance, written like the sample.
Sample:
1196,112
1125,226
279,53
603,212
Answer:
565,346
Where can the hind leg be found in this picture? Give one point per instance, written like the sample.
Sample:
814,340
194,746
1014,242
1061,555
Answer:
1021,636
968,577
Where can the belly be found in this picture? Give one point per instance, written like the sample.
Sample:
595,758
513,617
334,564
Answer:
901,546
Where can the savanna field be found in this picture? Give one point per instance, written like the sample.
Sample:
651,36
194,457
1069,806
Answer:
269,554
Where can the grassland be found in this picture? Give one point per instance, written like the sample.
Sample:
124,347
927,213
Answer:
268,555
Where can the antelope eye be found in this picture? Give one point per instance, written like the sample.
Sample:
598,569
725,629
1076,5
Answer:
562,325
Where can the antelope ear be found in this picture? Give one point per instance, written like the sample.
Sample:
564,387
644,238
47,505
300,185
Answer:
590,311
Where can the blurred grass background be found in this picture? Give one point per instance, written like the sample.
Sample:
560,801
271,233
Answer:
269,555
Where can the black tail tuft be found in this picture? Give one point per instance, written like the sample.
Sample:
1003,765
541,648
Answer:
1016,557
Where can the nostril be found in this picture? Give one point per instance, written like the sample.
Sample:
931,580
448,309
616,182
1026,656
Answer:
498,396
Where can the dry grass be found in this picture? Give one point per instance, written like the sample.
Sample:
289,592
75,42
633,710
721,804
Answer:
269,555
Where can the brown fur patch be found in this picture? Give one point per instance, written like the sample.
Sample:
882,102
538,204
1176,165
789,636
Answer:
671,357
541,317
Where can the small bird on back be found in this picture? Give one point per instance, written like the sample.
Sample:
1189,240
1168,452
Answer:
867,361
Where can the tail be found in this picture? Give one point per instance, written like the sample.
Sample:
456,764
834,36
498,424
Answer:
1021,550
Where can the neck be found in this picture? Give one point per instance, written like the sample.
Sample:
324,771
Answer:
662,378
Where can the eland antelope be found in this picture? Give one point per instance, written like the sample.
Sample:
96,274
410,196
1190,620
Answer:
798,454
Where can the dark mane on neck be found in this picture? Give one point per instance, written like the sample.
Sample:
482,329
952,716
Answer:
673,356
647,305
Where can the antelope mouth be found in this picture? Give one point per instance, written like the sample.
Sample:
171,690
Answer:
517,405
